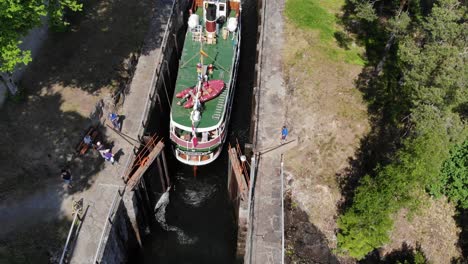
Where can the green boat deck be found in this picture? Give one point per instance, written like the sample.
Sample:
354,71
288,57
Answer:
221,55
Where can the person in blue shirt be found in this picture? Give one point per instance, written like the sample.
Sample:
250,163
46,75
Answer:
284,134
115,120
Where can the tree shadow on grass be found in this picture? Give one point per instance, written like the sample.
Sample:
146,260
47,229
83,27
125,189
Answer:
41,243
462,221
406,254
378,147
343,40
91,55
305,243
387,105
38,140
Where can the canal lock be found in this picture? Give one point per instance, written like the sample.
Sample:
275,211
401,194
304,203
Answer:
171,216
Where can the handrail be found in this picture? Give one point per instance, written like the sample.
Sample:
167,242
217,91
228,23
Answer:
254,168
62,258
282,209
158,68
200,145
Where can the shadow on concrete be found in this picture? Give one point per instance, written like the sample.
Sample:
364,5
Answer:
242,105
406,254
121,239
159,18
91,55
304,241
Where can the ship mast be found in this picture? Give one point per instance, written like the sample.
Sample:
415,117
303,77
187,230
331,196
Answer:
195,115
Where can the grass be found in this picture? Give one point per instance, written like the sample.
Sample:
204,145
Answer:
320,16
326,112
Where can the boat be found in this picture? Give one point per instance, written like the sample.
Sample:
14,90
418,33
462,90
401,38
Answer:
206,80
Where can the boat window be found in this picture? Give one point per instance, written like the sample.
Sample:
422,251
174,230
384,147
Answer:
211,12
221,8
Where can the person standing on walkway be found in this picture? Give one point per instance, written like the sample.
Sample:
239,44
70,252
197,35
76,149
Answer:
107,155
66,176
115,120
284,134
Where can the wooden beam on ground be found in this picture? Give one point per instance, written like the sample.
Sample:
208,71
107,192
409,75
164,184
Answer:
135,178
238,172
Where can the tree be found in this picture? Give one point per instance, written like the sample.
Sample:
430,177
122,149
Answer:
429,64
18,17
454,181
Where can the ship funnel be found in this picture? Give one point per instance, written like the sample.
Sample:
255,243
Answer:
210,17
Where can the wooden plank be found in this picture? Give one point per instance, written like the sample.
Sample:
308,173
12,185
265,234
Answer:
166,172
135,178
161,176
238,172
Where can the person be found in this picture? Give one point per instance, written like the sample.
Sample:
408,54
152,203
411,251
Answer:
99,146
88,140
66,176
107,155
284,134
115,120
210,69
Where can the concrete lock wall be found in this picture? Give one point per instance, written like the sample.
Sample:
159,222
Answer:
121,239
131,220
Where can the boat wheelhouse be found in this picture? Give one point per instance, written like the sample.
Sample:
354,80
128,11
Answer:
206,81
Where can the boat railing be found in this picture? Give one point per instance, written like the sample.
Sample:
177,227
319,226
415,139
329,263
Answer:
196,159
200,145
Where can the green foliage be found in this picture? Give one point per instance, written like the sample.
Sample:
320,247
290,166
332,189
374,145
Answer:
316,15
454,181
424,80
365,10
17,18
309,14
56,10
419,257
365,226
